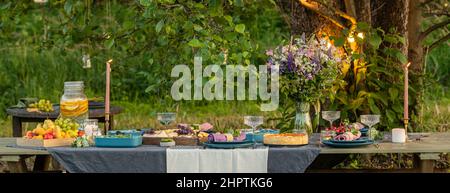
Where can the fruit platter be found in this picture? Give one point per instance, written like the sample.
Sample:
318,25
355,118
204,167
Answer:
184,134
61,132
346,135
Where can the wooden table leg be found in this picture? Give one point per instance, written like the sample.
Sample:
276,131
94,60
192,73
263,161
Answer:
42,163
17,127
111,123
427,162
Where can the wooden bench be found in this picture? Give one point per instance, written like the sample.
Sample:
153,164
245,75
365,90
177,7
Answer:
15,157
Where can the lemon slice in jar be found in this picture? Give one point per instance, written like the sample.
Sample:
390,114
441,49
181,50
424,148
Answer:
70,106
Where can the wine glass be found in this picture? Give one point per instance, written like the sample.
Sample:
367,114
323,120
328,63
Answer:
166,118
253,122
331,116
370,120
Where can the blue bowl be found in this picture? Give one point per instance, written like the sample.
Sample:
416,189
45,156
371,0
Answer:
132,132
364,131
259,135
106,141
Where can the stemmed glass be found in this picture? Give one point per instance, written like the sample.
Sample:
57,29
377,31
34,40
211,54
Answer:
331,116
370,120
166,118
253,122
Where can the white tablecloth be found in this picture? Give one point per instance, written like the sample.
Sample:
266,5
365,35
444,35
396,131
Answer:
217,160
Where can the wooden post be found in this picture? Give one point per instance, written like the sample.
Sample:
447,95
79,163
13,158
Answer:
16,164
42,163
427,160
17,126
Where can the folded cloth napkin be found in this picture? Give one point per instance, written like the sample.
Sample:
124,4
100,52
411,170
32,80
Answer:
182,160
217,160
24,102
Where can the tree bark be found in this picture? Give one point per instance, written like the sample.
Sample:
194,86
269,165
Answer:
303,20
363,11
415,48
392,14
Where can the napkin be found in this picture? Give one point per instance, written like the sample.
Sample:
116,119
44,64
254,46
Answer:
217,160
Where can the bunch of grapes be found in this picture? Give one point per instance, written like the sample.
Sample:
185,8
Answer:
150,132
42,105
185,131
67,124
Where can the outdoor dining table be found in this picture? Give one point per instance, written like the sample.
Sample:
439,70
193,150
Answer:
21,115
426,147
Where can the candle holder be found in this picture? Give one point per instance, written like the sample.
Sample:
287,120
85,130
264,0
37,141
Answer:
405,121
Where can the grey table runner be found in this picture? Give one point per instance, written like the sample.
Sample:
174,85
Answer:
152,159
291,159
143,159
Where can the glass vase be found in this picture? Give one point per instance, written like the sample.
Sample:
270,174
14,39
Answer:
302,118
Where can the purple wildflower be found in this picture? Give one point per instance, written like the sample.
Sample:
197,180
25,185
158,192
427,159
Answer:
290,62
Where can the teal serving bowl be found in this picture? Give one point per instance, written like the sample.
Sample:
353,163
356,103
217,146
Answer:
259,135
111,141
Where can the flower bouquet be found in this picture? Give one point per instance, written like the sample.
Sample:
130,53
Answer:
308,70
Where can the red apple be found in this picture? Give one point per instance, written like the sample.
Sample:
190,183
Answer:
48,136
80,133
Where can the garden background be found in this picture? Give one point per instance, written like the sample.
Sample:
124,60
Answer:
42,45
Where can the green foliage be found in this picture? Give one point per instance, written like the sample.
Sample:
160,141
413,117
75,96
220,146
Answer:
373,79
42,44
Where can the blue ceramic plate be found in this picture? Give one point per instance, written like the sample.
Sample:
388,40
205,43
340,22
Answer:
230,142
360,140
347,145
227,146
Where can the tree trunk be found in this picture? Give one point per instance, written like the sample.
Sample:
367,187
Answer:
303,20
363,11
415,49
416,57
389,14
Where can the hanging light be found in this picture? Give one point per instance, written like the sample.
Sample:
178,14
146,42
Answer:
40,1
86,61
360,35
350,39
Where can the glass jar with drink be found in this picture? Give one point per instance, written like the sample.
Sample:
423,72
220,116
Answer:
74,103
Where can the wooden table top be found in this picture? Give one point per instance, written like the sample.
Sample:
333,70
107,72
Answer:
93,112
9,151
428,143
431,143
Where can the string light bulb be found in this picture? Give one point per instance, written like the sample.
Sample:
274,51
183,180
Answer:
328,45
360,35
350,39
